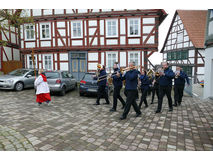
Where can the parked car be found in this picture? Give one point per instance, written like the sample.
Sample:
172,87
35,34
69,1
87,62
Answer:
88,86
60,81
18,79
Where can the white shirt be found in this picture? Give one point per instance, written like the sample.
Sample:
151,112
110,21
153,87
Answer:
41,86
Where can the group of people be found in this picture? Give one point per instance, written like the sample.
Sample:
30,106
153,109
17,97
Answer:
160,84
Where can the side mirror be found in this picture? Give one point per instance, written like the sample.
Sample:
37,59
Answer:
28,76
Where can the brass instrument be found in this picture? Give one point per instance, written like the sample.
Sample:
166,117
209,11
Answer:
129,68
177,74
150,74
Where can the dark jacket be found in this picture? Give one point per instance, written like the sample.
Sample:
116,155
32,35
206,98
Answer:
181,79
102,82
131,78
145,82
166,80
117,81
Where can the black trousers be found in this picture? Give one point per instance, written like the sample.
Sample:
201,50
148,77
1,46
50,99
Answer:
155,90
164,90
143,97
116,96
178,89
131,100
102,93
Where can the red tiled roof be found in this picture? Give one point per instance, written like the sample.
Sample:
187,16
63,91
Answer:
194,22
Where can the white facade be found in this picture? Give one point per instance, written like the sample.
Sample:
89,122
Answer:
208,80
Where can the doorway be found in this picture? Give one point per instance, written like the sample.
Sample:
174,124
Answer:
78,61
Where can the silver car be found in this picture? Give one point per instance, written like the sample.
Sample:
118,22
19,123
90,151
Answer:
18,79
60,81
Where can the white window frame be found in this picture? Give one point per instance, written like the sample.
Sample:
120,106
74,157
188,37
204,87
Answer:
41,31
116,28
81,25
107,60
139,27
28,61
25,33
134,52
51,59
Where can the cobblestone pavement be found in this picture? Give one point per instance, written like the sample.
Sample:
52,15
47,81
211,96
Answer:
73,123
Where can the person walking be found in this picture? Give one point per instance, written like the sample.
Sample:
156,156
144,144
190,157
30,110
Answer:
165,86
42,89
145,82
180,79
131,78
117,83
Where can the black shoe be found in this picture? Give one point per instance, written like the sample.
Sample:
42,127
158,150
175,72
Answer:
122,118
175,105
123,107
157,111
171,109
151,103
179,104
106,103
146,106
97,104
112,110
138,114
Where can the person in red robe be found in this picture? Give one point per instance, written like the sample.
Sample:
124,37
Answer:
42,89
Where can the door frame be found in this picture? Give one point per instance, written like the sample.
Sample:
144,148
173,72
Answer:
70,60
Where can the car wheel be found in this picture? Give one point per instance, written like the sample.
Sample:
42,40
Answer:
63,92
19,86
81,94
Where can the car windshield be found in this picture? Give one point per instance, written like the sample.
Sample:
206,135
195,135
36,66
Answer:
18,72
52,75
88,77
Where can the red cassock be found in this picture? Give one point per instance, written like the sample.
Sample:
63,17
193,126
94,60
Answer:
43,97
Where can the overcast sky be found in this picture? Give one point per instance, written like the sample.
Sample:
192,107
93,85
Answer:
156,58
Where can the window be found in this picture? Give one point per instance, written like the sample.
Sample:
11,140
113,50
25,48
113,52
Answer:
48,62
77,29
211,13
111,28
45,31
30,60
134,57
111,59
30,32
210,28
134,27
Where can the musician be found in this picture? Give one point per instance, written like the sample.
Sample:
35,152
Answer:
180,79
102,81
131,77
145,82
155,86
165,86
117,83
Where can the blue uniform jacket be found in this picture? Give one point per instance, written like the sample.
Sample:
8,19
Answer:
117,81
102,82
166,80
145,82
131,78
181,79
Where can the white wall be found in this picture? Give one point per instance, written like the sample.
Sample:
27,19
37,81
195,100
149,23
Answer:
208,78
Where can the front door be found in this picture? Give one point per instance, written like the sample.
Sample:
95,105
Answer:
78,64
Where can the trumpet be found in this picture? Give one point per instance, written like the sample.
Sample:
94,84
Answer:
129,68
107,77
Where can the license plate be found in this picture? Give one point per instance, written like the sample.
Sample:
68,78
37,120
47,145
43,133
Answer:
91,90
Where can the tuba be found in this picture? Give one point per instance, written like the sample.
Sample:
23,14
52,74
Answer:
150,74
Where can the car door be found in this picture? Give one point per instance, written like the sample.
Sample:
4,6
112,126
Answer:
72,79
66,80
29,79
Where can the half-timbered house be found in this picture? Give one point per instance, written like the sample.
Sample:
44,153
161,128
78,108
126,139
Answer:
78,39
184,43
10,57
